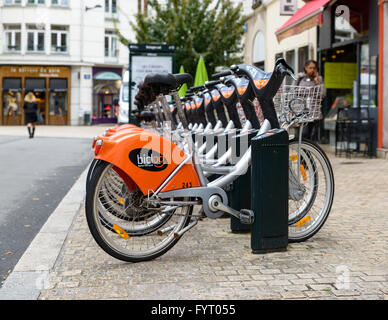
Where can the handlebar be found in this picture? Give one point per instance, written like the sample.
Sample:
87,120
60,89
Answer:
283,63
197,88
280,64
211,84
222,74
287,70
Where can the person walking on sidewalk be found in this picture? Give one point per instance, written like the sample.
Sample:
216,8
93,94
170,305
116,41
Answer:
311,77
31,113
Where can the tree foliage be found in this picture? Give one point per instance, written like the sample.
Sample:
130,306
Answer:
208,28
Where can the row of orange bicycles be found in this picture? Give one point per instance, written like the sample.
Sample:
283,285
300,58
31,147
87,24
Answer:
149,185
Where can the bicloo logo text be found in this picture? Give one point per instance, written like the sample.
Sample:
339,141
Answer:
153,160
148,159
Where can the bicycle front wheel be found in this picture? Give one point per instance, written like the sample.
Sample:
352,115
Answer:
308,214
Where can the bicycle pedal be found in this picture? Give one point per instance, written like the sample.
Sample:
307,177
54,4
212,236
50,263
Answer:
247,216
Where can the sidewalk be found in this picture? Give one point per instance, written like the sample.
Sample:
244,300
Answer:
347,259
56,131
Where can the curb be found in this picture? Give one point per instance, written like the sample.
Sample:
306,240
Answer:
29,276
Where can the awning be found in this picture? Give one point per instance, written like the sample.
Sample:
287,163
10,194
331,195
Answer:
12,84
58,85
307,17
35,85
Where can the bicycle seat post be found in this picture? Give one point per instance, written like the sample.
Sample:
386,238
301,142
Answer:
181,113
167,114
189,139
159,112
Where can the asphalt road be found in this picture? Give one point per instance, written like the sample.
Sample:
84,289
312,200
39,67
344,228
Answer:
35,174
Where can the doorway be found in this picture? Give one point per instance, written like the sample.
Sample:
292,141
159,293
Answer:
105,107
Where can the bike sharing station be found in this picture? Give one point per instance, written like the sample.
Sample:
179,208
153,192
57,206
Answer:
227,152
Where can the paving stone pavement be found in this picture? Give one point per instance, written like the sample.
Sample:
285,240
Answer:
347,259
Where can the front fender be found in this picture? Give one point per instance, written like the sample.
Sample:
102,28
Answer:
148,159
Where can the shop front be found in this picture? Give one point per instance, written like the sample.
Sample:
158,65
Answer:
348,57
50,86
106,90
347,51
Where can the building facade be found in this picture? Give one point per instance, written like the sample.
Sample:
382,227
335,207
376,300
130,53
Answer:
262,47
67,53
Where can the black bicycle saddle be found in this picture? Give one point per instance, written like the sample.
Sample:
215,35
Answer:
165,82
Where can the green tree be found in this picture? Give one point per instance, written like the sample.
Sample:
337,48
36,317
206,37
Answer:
208,28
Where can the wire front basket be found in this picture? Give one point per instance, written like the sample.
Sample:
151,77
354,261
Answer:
298,103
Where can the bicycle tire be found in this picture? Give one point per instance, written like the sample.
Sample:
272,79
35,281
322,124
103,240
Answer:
314,218
90,172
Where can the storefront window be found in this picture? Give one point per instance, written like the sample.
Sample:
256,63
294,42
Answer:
49,84
368,73
58,101
12,101
364,75
38,87
339,71
373,82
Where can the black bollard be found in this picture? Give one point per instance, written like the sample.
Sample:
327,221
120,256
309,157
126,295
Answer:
270,154
240,198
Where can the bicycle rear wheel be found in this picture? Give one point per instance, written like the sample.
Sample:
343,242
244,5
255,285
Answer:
308,214
128,231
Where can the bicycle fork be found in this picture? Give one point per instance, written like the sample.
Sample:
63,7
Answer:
296,188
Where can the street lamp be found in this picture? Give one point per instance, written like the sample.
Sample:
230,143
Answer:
91,8
82,14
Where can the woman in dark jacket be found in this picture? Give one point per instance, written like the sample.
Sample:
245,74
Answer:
31,113
311,77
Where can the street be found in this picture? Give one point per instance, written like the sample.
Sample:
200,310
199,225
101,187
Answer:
36,174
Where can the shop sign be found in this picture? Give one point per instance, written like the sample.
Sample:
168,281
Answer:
340,75
144,47
288,7
41,72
